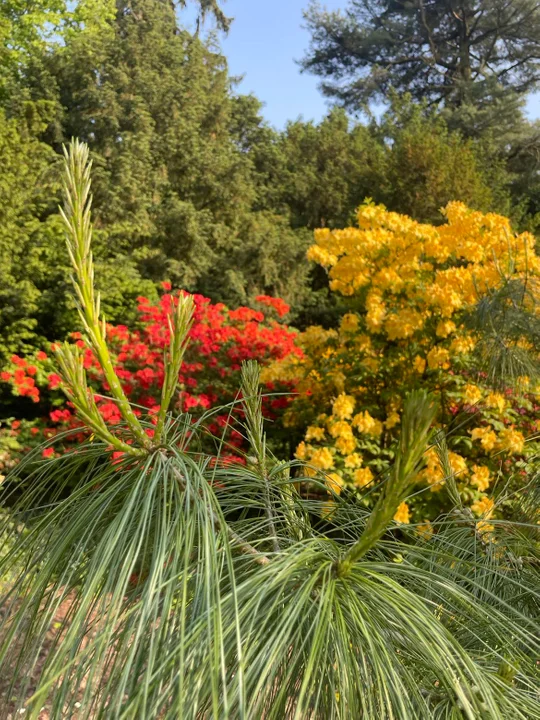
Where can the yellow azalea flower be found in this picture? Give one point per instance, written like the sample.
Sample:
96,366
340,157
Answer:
403,324
403,514
462,345
364,423
349,323
512,441
315,433
353,460
458,464
346,445
302,451
496,401
472,394
419,364
485,530
321,256
481,477
392,420
483,507
343,406
334,482
433,473
438,358
445,328
341,428
435,478
315,337
376,312
363,477
322,458
487,437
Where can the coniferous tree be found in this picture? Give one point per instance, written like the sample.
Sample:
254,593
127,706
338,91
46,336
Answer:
477,57
174,189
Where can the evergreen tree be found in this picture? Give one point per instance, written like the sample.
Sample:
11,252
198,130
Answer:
410,160
427,165
26,252
478,57
175,190
34,301
329,169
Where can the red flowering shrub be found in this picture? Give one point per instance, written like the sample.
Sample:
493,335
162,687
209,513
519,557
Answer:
220,340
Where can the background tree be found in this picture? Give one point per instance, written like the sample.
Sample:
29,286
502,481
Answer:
329,169
409,160
28,252
176,193
482,54
427,165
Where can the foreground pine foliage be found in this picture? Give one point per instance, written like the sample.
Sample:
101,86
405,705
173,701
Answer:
199,589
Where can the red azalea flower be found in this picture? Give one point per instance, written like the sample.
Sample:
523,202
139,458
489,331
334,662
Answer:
54,381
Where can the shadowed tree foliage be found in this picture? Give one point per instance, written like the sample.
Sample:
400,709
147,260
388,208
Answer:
428,165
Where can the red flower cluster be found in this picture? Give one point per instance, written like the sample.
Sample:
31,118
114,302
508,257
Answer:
279,305
220,340
22,378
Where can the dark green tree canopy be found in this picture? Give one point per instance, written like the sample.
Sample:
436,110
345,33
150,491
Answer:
449,51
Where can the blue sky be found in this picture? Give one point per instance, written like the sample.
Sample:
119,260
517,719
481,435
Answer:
264,41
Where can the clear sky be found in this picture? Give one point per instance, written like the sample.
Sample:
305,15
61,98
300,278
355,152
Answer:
265,39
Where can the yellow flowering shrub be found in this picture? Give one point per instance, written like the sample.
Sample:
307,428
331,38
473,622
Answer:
408,287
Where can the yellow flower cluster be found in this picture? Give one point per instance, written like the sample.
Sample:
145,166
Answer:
433,473
472,394
388,252
481,477
343,406
364,423
509,440
403,514
488,439
483,507
412,285
363,477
